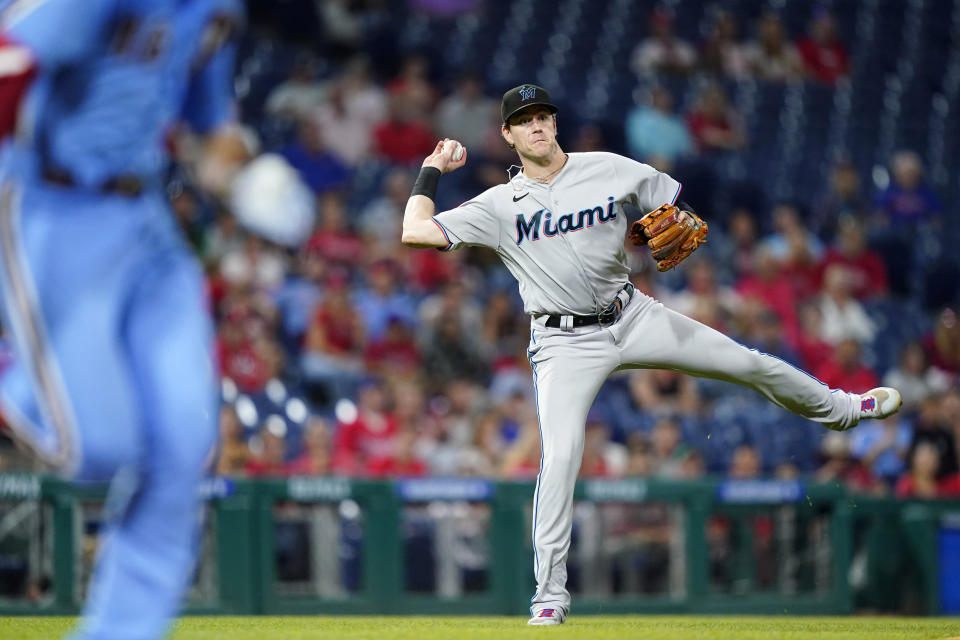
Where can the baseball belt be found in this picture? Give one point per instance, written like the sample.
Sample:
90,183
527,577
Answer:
605,318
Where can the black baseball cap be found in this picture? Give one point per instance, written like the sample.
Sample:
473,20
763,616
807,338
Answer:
526,95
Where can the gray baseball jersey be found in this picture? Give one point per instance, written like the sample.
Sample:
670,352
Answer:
562,241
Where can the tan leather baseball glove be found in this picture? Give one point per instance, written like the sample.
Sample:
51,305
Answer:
671,234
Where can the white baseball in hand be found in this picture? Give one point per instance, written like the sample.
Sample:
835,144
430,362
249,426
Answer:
457,149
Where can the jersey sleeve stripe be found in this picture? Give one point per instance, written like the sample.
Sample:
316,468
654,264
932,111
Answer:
677,194
445,235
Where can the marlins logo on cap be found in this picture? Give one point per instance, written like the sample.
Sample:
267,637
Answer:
526,95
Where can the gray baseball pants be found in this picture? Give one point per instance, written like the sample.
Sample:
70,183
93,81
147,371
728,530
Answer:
568,369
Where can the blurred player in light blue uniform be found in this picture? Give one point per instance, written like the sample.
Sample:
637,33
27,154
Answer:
114,377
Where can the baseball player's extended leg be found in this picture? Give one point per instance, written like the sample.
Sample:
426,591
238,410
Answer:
652,336
149,555
568,370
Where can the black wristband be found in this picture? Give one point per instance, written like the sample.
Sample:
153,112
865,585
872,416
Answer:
426,184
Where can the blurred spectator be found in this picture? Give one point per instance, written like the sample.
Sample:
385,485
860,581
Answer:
404,138
813,349
796,248
662,51
333,239
454,411
483,457
714,123
844,199
454,299
412,84
722,53
297,296
702,288
823,54
256,263
246,350
393,352
300,93
771,287
353,108
223,237
408,402
771,57
468,115
601,457
403,461
384,299
234,454
929,427
655,130
588,137
269,449
365,445
664,393
692,466
320,169
882,445
521,460
925,478
766,334
907,200
668,450
943,343
843,317
839,466
742,234
640,458
335,341
745,463
346,23
845,370
315,460
868,275
450,354
382,218
914,378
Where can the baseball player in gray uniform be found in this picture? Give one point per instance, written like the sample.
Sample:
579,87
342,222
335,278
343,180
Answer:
559,226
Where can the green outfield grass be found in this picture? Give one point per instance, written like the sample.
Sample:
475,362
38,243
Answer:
496,628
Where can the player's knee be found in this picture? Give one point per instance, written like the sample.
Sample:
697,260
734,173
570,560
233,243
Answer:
562,456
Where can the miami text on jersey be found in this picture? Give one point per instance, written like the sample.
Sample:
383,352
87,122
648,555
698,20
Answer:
530,229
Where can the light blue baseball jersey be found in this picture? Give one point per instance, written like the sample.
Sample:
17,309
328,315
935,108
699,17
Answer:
115,74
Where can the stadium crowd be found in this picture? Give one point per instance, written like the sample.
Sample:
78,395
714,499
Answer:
354,355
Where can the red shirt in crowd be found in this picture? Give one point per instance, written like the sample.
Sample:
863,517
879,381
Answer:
395,355
867,270
947,487
366,445
700,123
337,247
777,294
856,380
244,365
404,142
824,62
813,351
339,330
